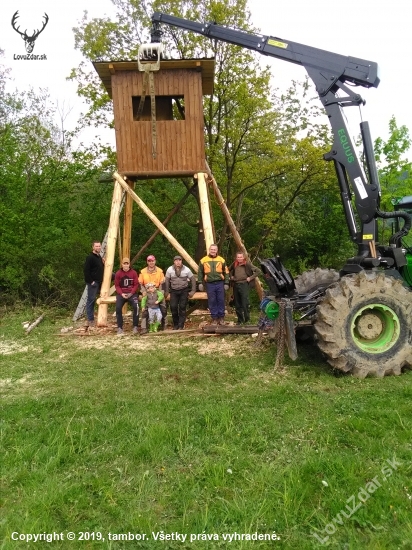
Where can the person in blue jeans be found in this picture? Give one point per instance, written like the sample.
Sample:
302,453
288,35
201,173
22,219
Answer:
93,275
214,274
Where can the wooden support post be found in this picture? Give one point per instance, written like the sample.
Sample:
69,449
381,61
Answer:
127,232
119,244
127,226
110,252
231,224
157,222
205,210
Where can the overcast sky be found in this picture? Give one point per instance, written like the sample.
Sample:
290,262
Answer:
374,31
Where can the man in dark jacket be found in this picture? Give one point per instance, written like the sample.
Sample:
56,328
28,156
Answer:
242,274
177,280
93,275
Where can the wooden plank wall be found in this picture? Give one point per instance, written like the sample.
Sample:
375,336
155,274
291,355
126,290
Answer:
180,143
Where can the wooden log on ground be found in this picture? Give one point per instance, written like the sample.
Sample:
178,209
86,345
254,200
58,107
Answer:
170,332
230,329
36,322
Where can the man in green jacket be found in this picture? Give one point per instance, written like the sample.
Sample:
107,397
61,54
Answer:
242,274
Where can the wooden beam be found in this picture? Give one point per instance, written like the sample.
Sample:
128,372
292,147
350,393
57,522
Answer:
205,210
165,222
112,299
110,252
157,222
127,225
239,243
231,329
119,244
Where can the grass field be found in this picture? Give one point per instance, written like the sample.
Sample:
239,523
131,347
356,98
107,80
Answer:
196,443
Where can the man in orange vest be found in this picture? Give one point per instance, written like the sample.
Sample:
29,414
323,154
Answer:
214,274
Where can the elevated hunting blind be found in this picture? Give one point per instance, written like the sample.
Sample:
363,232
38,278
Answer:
158,115
159,126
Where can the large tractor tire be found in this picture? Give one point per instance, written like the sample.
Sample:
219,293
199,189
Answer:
313,282
315,279
364,325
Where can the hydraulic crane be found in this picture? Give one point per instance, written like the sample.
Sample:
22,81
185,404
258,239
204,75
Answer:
363,321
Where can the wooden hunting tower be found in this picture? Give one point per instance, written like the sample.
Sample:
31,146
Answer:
158,115
159,125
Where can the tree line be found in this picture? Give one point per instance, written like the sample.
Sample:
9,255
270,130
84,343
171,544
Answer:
264,147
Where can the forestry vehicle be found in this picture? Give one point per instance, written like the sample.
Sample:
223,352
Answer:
361,316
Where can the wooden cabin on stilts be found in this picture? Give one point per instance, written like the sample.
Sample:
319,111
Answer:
158,117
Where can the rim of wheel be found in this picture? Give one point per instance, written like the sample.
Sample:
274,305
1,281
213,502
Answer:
375,328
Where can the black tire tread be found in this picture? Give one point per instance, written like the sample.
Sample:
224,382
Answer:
333,315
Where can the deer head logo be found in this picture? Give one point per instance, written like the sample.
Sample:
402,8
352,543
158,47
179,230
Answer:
28,40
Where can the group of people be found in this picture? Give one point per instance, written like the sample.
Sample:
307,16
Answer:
214,277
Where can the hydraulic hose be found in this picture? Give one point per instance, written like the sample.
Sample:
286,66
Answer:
396,237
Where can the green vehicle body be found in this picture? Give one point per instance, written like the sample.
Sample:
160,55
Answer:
405,204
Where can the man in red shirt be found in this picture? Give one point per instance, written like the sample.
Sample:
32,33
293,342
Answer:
127,285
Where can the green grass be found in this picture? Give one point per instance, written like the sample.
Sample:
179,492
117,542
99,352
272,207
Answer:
196,436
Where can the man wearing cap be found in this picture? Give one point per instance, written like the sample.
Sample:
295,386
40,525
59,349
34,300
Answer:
152,274
127,284
177,280
214,273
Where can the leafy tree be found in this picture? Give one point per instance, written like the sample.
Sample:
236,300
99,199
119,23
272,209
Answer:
47,202
395,170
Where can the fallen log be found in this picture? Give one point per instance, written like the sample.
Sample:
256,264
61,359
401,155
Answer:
169,332
36,322
230,329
